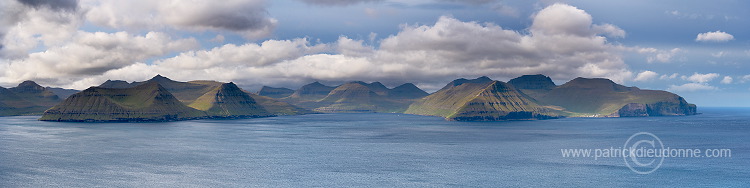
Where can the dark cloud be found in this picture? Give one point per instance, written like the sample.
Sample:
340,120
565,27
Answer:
66,5
337,2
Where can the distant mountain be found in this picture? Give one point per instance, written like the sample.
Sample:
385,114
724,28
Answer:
33,92
12,105
229,101
62,93
28,98
116,84
533,82
604,98
146,102
350,97
356,97
189,92
277,107
312,91
478,100
407,91
274,92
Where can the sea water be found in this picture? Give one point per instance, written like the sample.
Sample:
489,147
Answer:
368,150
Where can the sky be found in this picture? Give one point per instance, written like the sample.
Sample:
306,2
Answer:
697,49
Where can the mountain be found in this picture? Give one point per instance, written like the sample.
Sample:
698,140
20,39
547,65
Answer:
12,104
28,98
533,82
407,91
349,97
277,107
146,102
460,81
478,100
273,106
31,91
229,101
274,92
312,91
188,92
604,98
356,97
376,87
116,84
62,93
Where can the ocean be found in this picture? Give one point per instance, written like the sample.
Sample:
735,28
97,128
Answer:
375,150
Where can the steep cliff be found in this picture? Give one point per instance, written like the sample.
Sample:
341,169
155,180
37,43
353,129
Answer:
480,101
604,98
146,102
229,101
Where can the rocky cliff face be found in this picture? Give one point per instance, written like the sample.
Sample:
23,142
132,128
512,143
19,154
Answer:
274,92
472,101
229,101
605,98
146,102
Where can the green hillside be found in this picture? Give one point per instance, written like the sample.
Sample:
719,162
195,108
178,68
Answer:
477,101
227,101
146,102
599,97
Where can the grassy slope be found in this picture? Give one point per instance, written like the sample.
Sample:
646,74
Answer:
358,97
271,105
228,100
480,101
146,102
599,97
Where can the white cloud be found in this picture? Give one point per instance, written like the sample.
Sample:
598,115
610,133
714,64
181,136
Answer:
669,77
609,30
24,27
701,78
663,56
745,78
716,36
426,54
727,80
246,17
646,76
690,87
91,54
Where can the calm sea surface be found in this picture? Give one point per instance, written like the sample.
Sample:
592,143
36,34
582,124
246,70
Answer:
366,150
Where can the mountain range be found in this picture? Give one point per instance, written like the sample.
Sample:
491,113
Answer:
527,97
354,97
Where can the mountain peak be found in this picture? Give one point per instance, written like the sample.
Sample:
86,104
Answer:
537,81
29,83
159,77
457,82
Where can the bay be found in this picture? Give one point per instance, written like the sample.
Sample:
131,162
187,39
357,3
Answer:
366,150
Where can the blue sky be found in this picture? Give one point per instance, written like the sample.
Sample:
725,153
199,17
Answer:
697,49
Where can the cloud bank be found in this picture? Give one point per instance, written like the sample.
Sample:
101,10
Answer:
715,36
427,54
